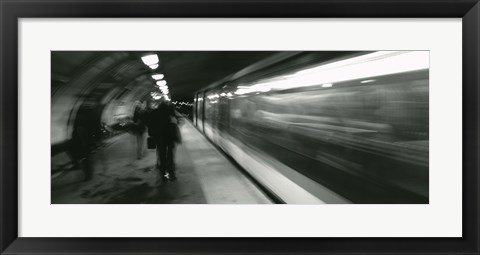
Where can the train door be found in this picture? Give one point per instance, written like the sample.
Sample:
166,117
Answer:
195,110
209,117
200,103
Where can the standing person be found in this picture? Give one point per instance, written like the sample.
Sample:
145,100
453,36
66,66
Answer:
86,137
139,120
162,122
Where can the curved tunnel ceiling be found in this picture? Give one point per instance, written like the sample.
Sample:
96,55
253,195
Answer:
113,80
185,71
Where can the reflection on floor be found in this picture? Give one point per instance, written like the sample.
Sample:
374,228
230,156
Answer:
204,176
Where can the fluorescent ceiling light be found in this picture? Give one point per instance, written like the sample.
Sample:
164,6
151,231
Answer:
153,66
155,95
162,83
150,59
158,76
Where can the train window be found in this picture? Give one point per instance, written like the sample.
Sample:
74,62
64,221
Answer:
210,118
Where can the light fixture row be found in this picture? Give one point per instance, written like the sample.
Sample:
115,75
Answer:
152,61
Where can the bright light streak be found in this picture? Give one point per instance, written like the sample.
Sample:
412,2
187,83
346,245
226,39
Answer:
162,83
153,66
327,85
264,89
367,81
150,60
158,76
368,65
255,88
223,94
242,91
211,97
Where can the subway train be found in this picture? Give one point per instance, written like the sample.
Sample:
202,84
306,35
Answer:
326,127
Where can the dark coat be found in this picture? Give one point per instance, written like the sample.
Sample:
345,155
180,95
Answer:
160,124
140,120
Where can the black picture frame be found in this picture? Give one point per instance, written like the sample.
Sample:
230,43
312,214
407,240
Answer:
12,10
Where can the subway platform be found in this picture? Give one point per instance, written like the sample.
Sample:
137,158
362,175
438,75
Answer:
205,176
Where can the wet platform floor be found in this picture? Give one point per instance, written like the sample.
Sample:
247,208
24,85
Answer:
205,176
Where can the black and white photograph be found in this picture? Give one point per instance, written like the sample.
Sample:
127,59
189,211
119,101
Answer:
240,127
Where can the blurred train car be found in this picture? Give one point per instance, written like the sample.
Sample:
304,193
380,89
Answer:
320,127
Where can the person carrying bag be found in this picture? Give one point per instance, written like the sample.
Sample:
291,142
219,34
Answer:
164,134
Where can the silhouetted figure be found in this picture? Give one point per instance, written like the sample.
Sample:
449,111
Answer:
139,128
162,126
83,142
85,138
